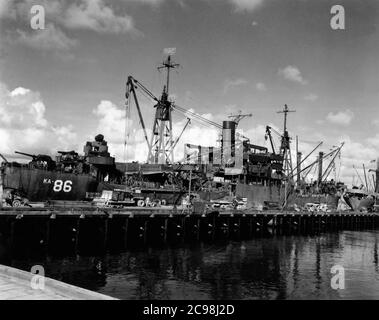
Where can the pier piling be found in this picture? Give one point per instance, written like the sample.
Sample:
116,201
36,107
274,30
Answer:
52,229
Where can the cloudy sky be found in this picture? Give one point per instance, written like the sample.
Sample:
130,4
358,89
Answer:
62,85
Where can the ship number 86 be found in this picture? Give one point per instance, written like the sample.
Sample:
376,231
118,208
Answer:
59,185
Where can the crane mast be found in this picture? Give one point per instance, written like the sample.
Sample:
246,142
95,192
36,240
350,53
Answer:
161,151
161,144
285,149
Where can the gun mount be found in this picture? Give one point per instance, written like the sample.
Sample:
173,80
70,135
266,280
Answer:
26,154
40,161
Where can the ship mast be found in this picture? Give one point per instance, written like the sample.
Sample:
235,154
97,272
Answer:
285,149
161,151
285,152
168,65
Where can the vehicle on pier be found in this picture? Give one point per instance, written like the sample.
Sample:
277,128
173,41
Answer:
117,199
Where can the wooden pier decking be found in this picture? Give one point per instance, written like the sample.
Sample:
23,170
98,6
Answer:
16,285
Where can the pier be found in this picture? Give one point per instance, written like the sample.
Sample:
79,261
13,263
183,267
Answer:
16,285
83,229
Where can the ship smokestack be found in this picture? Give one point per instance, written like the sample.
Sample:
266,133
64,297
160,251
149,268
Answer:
228,142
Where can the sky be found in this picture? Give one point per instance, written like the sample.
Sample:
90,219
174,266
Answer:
62,85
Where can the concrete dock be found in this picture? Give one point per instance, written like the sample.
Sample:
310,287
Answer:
16,285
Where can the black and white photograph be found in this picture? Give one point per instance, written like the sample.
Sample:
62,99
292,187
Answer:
202,152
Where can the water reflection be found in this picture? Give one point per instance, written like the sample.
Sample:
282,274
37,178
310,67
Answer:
278,267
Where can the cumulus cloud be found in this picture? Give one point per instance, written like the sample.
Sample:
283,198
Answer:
246,5
292,73
24,127
117,129
95,15
340,118
92,15
51,38
111,121
21,106
232,83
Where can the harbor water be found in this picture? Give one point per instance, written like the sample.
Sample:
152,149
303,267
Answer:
268,267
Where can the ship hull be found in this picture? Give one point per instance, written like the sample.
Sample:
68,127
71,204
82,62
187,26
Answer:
259,196
42,185
358,204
